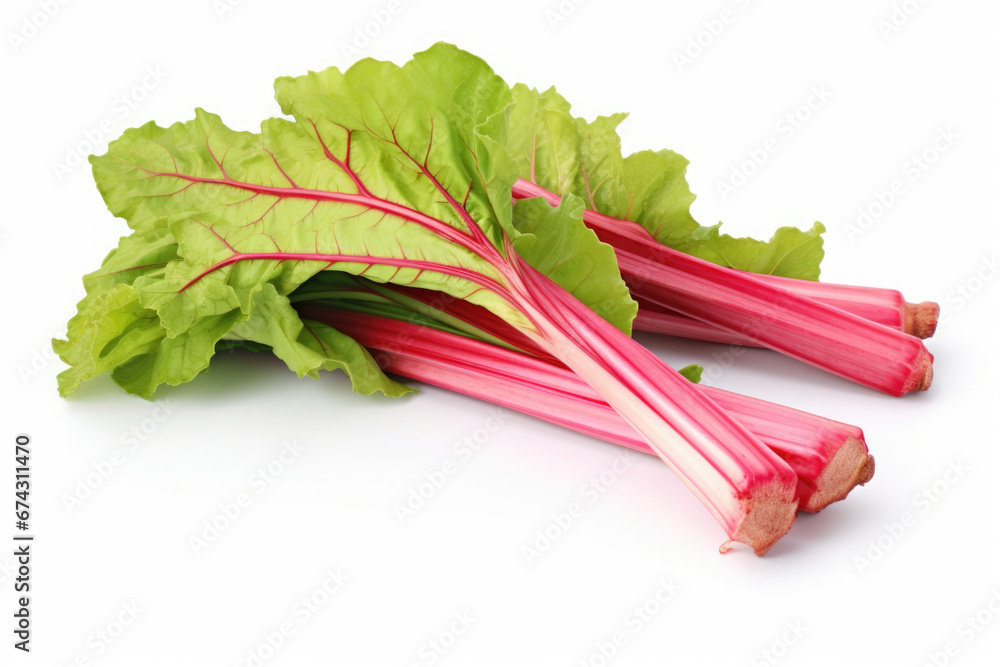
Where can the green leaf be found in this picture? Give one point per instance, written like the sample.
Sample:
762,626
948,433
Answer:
790,252
252,216
399,174
295,93
109,329
172,360
692,372
659,197
112,332
343,353
385,173
661,203
309,347
568,155
555,241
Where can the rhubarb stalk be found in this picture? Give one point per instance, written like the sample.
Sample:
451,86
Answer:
399,174
830,458
884,306
806,329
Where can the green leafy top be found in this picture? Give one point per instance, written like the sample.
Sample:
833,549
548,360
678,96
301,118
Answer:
399,174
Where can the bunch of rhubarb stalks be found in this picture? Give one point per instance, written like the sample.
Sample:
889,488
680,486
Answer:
431,222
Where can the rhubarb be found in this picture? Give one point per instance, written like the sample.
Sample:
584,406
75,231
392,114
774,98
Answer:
830,458
399,174
640,206
884,306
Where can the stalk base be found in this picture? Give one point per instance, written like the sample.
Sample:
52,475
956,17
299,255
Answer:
851,466
770,513
920,319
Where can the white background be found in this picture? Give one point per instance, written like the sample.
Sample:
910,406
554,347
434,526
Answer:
333,505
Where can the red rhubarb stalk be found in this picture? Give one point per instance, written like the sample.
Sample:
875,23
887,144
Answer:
803,328
830,458
887,307
884,306
347,215
745,485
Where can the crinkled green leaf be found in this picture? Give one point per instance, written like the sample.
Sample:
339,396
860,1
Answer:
295,93
661,203
568,155
251,216
296,196
114,333
343,353
399,174
173,360
790,252
556,242
309,347
109,329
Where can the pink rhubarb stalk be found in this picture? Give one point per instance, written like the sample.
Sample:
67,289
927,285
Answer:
830,458
884,306
745,485
803,328
656,319
747,488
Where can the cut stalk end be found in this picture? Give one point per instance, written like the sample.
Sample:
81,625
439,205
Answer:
770,514
920,319
921,374
925,382
851,466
